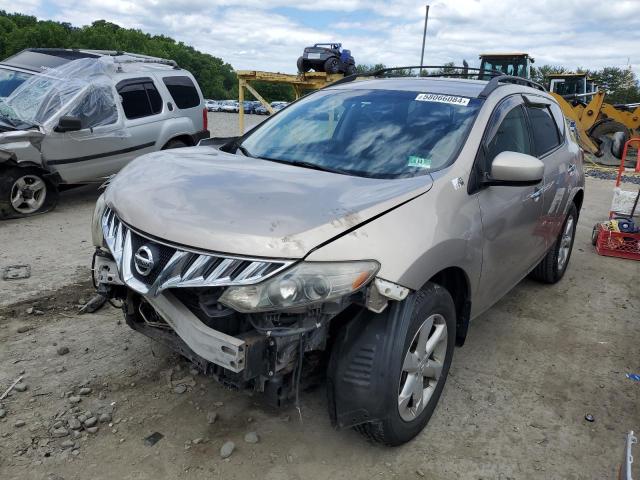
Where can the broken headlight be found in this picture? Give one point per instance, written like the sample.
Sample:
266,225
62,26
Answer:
96,223
305,284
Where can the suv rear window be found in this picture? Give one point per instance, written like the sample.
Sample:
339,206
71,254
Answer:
183,91
140,98
545,130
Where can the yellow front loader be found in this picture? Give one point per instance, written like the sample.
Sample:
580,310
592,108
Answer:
602,128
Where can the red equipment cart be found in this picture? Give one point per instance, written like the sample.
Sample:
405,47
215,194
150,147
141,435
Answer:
620,236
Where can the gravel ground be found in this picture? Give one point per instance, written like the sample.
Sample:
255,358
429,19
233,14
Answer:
514,406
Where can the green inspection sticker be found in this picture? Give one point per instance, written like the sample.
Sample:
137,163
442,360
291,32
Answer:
419,162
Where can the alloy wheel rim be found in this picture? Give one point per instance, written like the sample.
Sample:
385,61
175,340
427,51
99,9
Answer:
28,194
422,367
565,243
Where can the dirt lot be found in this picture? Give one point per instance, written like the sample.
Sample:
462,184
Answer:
514,405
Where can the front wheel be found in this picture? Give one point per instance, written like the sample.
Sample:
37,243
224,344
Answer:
552,267
418,369
24,192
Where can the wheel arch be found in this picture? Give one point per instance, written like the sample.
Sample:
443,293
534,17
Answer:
456,281
185,138
578,199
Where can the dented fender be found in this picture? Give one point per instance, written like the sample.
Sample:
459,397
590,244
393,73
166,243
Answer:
23,146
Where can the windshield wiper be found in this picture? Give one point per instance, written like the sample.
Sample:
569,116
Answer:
245,152
314,166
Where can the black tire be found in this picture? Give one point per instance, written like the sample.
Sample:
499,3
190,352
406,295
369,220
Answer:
302,66
594,234
331,65
394,430
174,144
351,70
549,269
8,179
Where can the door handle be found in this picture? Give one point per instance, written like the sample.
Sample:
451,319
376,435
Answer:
537,193
571,169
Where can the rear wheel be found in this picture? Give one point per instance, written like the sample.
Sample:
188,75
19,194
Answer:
302,67
418,369
174,144
552,267
332,65
24,192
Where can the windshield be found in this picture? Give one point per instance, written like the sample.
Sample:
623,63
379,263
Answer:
370,133
10,80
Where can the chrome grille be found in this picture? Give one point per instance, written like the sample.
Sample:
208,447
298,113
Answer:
178,267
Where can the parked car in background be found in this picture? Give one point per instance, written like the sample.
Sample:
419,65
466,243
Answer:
249,106
212,105
355,235
277,106
261,110
85,120
230,106
18,68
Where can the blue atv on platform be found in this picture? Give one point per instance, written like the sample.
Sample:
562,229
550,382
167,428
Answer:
327,57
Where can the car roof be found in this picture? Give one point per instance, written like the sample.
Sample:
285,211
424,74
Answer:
40,59
447,86
444,85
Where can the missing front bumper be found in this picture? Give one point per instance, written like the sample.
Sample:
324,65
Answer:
216,347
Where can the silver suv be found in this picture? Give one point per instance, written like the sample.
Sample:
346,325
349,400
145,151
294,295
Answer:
353,235
87,118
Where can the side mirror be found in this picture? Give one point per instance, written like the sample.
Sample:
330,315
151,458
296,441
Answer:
68,124
513,169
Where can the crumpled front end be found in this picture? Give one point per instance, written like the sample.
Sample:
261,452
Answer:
217,310
21,146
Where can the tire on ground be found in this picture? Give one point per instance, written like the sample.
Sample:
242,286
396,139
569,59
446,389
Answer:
8,178
393,429
549,270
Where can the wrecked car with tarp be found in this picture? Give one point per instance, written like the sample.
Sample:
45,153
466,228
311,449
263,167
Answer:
87,119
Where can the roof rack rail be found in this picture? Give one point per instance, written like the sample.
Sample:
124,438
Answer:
464,72
496,81
134,57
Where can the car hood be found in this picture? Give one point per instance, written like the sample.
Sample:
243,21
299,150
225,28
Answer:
207,199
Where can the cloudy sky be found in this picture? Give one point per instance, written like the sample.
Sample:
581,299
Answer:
270,34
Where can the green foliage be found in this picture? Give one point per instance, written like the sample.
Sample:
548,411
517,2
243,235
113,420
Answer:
17,32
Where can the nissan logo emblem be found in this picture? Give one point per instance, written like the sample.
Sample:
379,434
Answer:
144,261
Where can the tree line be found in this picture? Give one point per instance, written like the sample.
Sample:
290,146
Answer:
216,77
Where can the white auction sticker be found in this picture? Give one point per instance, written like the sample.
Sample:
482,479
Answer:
435,97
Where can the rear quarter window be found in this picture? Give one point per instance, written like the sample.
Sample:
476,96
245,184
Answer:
183,91
545,131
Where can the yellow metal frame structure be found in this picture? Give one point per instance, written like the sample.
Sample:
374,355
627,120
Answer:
300,82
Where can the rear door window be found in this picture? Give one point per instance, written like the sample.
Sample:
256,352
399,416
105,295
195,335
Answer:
140,98
183,91
545,131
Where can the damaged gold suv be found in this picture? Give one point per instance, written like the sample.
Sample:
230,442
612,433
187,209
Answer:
353,236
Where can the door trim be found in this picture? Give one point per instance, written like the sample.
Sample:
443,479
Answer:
100,155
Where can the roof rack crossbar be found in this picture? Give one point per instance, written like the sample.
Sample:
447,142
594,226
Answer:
496,81
463,72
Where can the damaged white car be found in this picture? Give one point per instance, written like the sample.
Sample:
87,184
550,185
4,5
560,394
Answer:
85,120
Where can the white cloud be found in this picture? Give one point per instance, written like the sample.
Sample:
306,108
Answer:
249,35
